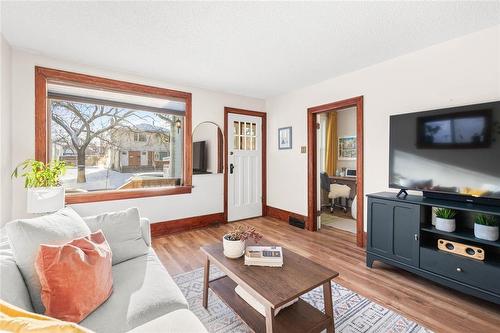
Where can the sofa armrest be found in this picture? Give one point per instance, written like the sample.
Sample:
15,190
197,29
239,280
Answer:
146,230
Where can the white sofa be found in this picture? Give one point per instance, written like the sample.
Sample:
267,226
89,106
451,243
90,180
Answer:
145,298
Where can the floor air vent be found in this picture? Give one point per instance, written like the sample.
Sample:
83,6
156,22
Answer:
296,222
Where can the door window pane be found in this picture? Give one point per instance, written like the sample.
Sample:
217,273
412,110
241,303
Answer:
236,142
248,143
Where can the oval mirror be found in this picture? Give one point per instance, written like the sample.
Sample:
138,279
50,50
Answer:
208,149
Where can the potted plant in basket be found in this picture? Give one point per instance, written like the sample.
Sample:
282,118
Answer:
486,227
445,219
234,241
45,193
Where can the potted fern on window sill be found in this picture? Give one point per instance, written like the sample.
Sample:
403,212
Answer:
44,190
486,227
445,219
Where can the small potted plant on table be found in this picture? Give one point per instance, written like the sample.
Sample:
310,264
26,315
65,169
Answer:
445,219
486,227
234,241
44,191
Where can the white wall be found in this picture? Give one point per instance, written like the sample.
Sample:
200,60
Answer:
346,126
5,121
462,71
207,196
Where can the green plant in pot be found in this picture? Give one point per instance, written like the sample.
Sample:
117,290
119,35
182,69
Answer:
445,219
44,190
234,241
486,227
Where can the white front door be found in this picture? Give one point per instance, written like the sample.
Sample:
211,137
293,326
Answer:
244,167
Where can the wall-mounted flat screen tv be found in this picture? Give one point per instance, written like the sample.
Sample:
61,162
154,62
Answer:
449,151
199,157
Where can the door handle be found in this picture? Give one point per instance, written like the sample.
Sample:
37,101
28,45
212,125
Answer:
231,168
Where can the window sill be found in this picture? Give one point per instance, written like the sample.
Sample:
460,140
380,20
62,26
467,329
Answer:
78,198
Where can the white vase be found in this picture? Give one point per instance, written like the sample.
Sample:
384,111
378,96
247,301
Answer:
434,216
44,199
233,249
486,232
447,225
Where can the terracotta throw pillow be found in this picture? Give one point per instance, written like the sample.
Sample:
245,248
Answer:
75,277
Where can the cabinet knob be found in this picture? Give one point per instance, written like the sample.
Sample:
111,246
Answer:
459,269
416,237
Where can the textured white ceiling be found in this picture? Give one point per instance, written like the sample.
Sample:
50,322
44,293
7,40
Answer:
251,48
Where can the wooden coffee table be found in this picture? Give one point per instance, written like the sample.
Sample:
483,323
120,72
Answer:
273,287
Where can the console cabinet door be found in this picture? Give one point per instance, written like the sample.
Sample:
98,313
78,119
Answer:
393,230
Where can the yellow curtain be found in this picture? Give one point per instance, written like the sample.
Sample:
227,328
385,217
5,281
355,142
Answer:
331,144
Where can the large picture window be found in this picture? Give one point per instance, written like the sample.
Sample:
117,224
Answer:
119,140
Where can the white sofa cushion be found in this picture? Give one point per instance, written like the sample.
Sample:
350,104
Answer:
142,291
26,235
179,321
13,290
122,231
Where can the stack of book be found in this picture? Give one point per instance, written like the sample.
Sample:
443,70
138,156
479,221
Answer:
271,256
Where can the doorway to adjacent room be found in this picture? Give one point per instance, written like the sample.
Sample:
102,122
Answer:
335,167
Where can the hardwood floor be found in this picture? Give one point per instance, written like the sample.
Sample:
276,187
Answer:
435,307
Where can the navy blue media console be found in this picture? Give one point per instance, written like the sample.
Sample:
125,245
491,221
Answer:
400,233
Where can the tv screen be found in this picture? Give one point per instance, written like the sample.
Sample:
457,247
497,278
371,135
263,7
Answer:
454,150
199,157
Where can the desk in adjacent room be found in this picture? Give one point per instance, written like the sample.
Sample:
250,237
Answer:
349,181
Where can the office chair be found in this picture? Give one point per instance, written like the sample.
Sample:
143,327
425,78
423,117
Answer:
339,191
325,189
335,191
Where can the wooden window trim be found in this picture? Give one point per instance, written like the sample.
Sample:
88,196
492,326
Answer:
45,75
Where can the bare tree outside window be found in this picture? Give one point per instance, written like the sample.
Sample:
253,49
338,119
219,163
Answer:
107,147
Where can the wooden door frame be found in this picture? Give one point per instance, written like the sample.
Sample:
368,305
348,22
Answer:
263,116
312,167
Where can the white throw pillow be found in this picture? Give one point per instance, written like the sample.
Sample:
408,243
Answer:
26,235
122,231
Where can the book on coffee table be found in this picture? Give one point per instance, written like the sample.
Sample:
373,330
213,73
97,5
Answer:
271,256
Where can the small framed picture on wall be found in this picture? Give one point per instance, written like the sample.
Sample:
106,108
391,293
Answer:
347,148
285,138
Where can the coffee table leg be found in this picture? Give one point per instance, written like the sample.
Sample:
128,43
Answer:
327,298
205,283
269,319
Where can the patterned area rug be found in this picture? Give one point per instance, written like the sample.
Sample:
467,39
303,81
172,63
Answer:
353,313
